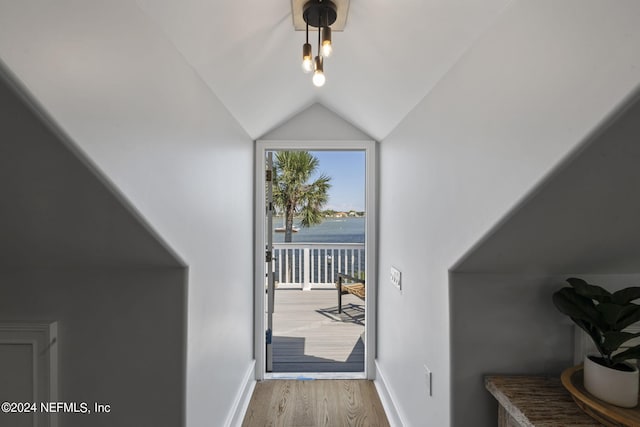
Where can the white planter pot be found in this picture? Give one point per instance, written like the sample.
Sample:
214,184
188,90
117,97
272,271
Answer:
619,388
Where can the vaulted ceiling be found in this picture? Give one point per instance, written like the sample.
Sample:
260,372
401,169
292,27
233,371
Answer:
390,55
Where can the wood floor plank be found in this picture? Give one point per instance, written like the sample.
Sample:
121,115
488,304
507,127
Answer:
330,403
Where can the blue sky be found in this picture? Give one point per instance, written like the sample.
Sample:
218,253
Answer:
346,169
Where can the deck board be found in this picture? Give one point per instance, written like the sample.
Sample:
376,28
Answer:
310,336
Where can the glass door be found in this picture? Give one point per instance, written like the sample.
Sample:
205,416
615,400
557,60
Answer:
315,260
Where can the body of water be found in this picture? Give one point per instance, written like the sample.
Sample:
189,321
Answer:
325,261
331,230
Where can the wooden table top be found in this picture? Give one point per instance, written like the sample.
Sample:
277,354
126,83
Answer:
537,401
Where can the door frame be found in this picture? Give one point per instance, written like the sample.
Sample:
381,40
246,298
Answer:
43,339
370,149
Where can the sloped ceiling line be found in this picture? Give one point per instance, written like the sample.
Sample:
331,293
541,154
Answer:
386,60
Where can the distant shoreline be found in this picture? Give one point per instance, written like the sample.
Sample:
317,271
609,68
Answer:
330,230
334,214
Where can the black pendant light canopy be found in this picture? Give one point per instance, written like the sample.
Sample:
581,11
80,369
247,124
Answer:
319,14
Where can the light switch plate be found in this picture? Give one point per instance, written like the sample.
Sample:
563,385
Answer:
396,278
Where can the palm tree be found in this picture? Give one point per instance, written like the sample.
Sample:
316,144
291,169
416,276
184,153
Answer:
292,194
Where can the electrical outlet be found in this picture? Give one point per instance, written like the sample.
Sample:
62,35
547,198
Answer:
396,278
427,380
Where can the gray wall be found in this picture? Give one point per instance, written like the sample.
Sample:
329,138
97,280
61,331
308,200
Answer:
502,324
74,252
121,338
583,217
507,324
582,220
56,209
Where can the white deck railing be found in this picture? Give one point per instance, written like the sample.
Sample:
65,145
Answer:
316,265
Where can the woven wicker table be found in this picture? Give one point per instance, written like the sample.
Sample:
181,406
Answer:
528,401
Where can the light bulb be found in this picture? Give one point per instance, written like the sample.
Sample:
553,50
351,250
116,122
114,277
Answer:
318,75
319,78
327,48
307,63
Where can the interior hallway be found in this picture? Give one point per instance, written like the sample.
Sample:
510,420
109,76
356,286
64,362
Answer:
507,159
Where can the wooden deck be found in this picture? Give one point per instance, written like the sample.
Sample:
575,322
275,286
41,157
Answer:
310,336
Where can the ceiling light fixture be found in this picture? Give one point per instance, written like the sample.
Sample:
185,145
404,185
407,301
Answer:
319,14
318,74
307,63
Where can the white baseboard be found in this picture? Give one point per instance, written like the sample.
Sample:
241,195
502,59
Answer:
386,397
243,397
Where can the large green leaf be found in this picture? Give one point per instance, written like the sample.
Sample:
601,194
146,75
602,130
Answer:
618,317
583,312
590,291
630,315
615,315
630,353
595,335
576,306
626,295
614,339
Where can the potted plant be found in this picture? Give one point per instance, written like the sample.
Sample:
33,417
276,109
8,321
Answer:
604,315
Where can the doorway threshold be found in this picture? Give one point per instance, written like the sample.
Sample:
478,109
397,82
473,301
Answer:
315,376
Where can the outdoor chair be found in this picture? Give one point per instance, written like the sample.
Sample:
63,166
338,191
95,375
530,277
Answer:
349,285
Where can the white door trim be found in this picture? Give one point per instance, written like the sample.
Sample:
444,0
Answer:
43,339
370,149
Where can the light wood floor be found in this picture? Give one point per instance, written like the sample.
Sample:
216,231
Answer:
310,336
334,403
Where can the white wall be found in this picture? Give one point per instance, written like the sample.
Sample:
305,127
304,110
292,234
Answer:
315,123
521,98
127,98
